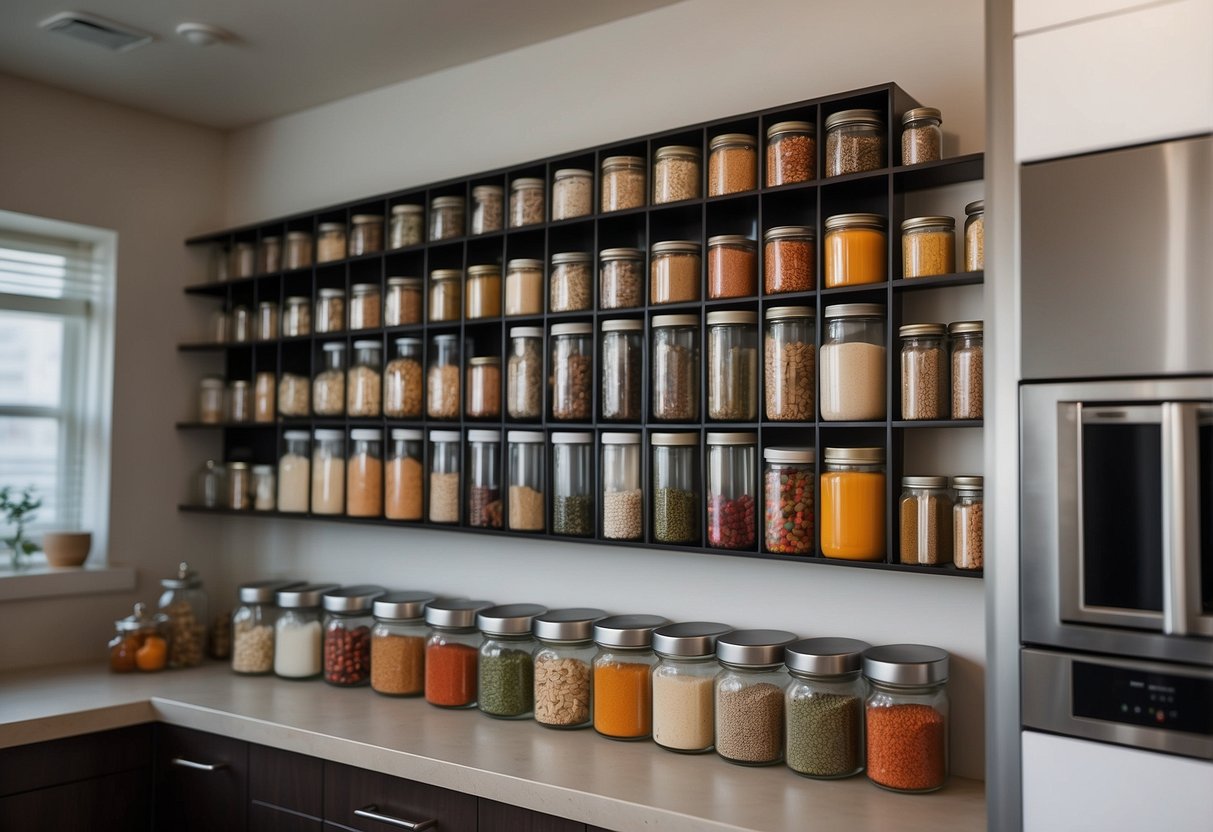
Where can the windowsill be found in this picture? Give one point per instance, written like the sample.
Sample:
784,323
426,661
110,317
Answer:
42,581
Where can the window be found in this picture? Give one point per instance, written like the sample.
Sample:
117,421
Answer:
56,348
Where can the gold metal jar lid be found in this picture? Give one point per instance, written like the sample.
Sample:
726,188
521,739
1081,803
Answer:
447,202
675,247
366,219
968,483
919,113
613,162
976,207
566,257
732,316
364,288
854,310
524,182
804,456
404,281
864,456
780,313
731,240
484,270
924,482
732,140
791,127
446,274
524,264
622,325
928,223
921,330
785,232
733,438
965,327
407,208
840,221
674,439
671,151
620,254
484,361
870,118
567,173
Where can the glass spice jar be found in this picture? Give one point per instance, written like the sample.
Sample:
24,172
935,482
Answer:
366,301
184,601
347,634
571,286
408,222
220,267
789,258
921,136
242,325
330,310
975,236
484,387
572,193
239,402
484,292
328,471
526,501
620,278
968,362
364,473
141,642
622,368
267,320
676,491
299,632
906,717
366,234
732,164
527,202
446,287
211,488
402,306
622,671
239,486
676,173
452,651
824,707
563,658
524,287
674,272
296,317
294,472
444,488
788,498
298,250
749,696
855,250
402,488
330,242
732,266
791,153
684,707
622,495
924,516
928,246
855,142
572,484
790,364
328,387
263,398
210,400
442,387
733,366
364,387
253,626
852,504
968,523
674,389
263,488
731,481
484,509
572,371
524,373
446,217
506,668
924,371
220,327
488,208
852,363
622,183
398,643
244,260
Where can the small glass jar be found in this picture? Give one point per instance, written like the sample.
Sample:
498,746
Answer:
524,287
244,260
975,236
749,696
184,601
402,305
484,292
263,398
906,716
788,496
789,257
442,386
675,272
527,202
239,401
298,250
452,650
733,366
524,373
328,471
968,524
924,515
328,387
296,317
855,142
622,368
366,234
622,495
527,502
364,473
732,480
622,183
824,707
572,194
402,382
299,632
330,242
294,395
684,704
573,484
623,683
572,371
484,479
732,266
263,488
446,217
408,226
239,486
928,246
677,173
444,476
506,670
852,504
921,136
853,363
347,634
366,302
968,362
676,496
294,472
220,267
572,287
242,325
924,371
675,384
211,485
253,627
791,153
732,164
855,250
620,278
364,388
141,642
446,288
484,387
488,208
398,643
330,310
402,488
210,400
267,320
563,659
790,364
220,328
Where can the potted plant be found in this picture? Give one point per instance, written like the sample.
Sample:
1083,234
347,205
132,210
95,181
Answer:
18,509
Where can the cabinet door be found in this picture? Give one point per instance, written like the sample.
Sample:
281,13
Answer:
112,803
42,764
286,780
502,817
351,794
201,781
262,818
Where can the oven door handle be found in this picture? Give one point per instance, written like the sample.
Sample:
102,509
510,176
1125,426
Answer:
1181,513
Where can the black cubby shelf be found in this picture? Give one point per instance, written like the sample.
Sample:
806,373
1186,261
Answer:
750,212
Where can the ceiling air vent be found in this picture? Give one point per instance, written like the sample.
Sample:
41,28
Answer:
115,37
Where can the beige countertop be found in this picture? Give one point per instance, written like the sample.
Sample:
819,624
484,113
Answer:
573,774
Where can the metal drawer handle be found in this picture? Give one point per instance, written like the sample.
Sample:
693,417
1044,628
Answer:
372,812
184,763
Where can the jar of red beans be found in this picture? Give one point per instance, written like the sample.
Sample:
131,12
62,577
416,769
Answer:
732,474
347,634
788,497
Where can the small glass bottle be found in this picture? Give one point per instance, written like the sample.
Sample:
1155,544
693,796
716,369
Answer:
732,480
402,488
732,266
211,484
924,516
788,496
264,488
253,626
328,471
484,508
855,142
791,153
733,366
906,717
242,325
402,306
294,472
446,288
675,359
928,246
824,707
263,397
749,696
622,183
527,202
622,495
506,669
184,601
446,217
364,474
572,193
975,236
244,260
790,364
330,242
789,258
732,164
855,250
299,632
347,634
675,272
239,486
402,382
298,250
620,278
444,487
573,484
483,387
524,373
572,371
968,523
684,705
677,508
364,383
210,400
852,363
484,292
398,643
294,395
366,303
921,136
239,402
622,369
623,683
452,651
442,386
267,320
526,502
330,310
366,234
141,642
677,173
220,328
408,223
852,503
524,287
924,371
488,208
296,317
572,286
968,362
563,660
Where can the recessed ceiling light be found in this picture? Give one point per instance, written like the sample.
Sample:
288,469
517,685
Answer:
202,34
117,37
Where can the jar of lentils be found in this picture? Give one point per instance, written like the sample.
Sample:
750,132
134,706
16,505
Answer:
968,363
968,523
906,717
789,259
855,142
824,705
506,670
732,266
347,634
676,488
674,272
749,696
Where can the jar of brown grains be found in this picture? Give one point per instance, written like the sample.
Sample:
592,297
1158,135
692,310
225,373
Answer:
924,371
483,292
622,183
571,286
446,217
975,236
732,164
484,387
330,242
620,278
928,246
855,142
925,515
791,153
527,202
364,383
968,523
402,381
732,266
789,259
403,302
572,193
398,643
921,136
366,301
572,370
445,290
298,250
366,234
968,362
330,310
676,173
407,224
674,272
488,208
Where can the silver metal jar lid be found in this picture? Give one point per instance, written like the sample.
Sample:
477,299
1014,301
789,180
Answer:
565,173
565,257
264,592
627,630
328,434
487,190
855,310
863,456
185,578
921,113
675,247
402,606
570,624
731,140
968,483
677,150
366,435
732,438
798,455
783,232
296,435
524,182
308,596
674,439
358,598
407,208
732,317
366,345
963,327
924,223
689,639
870,118
825,656
753,648
508,619
454,613
572,329
975,207
523,264
490,436
791,127
408,341
446,202
299,235
924,482
622,325
908,665
622,162
483,269
858,220
660,321
920,330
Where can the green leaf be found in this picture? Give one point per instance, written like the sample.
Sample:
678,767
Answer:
29,547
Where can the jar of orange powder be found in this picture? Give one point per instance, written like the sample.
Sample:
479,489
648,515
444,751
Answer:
856,250
853,504
623,687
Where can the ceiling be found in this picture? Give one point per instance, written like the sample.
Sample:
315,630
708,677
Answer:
288,54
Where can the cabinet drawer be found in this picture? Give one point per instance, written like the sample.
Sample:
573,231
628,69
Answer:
190,796
262,818
348,789
502,817
286,779
43,764
113,803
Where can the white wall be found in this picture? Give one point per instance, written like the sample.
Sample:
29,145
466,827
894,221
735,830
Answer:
689,62
155,182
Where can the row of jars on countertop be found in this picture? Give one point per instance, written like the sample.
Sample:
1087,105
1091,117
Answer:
829,707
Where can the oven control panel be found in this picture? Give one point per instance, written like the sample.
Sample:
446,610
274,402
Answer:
1136,697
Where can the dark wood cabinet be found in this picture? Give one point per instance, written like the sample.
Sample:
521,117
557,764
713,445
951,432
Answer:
201,781
263,818
353,795
502,817
286,780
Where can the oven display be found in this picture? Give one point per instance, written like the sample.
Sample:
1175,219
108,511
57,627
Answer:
1134,697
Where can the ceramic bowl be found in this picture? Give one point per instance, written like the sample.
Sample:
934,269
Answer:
66,548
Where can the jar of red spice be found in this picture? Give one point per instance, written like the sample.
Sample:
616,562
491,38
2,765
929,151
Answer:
907,717
732,266
451,651
732,472
398,643
347,634
788,500
623,686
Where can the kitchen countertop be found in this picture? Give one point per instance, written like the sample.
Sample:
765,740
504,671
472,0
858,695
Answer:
573,774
